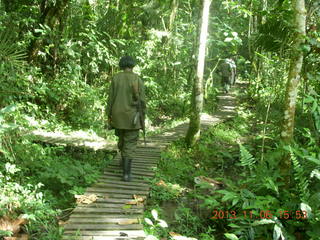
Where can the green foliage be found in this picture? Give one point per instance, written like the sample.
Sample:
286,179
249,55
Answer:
73,53
23,200
302,181
37,181
247,160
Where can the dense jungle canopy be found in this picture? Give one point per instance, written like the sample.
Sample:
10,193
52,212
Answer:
57,58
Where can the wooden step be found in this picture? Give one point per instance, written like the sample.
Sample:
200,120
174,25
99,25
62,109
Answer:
113,195
99,211
105,220
100,189
96,234
134,169
110,205
136,179
121,186
102,238
135,174
103,226
77,215
120,182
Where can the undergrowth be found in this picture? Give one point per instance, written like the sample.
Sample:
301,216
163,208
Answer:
38,181
229,185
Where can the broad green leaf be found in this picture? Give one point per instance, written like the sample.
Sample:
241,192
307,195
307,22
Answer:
232,225
307,208
235,201
315,173
309,99
262,222
231,236
7,109
314,106
313,159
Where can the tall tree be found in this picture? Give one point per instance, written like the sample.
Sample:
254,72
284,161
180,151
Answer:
193,133
51,14
294,75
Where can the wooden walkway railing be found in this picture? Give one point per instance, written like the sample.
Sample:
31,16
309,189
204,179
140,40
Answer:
117,212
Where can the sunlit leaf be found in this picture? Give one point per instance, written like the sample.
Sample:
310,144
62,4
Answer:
231,236
315,173
151,237
162,223
154,213
148,221
262,222
277,233
305,207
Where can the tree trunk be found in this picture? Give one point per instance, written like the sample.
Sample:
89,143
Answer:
293,77
174,6
193,133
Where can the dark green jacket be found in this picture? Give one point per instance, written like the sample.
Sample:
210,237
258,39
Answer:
125,90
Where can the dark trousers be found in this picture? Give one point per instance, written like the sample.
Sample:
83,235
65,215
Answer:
226,81
127,142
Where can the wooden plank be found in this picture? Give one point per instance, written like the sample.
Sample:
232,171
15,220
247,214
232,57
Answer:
114,195
110,205
79,215
135,174
103,226
119,182
136,179
105,220
148,151
106,210
121,186
115,200
100,189
135,164
130,233
101,238
134,169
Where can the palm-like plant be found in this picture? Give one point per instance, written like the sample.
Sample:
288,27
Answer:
11,56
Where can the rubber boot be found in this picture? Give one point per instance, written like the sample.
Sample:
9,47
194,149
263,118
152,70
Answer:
121,162
127,170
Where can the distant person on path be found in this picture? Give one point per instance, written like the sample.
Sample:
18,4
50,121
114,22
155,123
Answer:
228,73
125,112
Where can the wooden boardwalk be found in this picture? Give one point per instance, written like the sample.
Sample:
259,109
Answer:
118,210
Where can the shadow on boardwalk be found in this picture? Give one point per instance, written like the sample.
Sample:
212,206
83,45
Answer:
116,212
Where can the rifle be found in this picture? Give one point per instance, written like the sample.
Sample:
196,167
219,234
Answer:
140,116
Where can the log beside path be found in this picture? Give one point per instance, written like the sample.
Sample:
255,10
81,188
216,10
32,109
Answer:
117,209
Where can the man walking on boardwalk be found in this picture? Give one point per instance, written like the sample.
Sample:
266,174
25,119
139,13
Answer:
125,109
228,73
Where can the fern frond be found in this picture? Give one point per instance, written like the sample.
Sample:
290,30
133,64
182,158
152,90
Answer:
246,158
300,178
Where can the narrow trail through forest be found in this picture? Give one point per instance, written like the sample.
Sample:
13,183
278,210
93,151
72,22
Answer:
113,209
